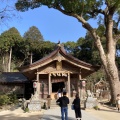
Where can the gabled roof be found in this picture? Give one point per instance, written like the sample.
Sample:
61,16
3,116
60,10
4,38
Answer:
101,83
60,49
12,77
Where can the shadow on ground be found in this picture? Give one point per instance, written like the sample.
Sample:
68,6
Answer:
26,116
54,117
109,110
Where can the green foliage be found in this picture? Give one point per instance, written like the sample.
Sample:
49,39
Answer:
12,34
84,49
80,7
42,49
97,75
31,43
4,99
26,109
85,9
9,39
33,34
39,49
8,42
13,98
70,47
96,107
94,78
101,30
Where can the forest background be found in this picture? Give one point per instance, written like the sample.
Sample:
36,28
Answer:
17,51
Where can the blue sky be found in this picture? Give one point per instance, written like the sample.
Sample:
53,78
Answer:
52,24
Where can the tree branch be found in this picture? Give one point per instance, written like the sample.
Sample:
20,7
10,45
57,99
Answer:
96,11
57,6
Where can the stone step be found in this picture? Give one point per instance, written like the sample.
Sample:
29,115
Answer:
53,103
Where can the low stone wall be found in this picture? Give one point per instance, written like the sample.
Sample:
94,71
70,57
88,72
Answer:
12,88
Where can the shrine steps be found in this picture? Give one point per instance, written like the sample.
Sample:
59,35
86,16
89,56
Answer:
54,105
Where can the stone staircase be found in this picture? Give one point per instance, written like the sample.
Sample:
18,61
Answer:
53,103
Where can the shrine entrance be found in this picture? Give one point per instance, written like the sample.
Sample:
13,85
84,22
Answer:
57,82
56,86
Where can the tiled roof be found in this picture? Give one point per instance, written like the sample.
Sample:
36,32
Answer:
12,77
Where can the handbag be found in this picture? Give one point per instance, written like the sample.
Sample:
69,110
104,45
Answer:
118,101
72,106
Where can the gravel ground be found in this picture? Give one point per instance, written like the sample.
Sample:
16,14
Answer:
105,113
55,114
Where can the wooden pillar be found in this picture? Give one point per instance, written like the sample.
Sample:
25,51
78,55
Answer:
37,77
79,83
80,73
49,82
69,91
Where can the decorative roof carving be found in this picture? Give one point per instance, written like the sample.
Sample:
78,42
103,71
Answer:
59,65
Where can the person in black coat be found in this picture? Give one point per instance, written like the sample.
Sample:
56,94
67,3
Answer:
77,108
63,103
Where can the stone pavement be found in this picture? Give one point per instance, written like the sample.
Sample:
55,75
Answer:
55,114
105,113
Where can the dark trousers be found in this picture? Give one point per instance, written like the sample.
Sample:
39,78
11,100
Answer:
64,113
78,112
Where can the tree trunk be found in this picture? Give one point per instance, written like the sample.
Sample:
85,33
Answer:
110,67
31,57
108,60
3,63
113,78
107,56
9,61
6,59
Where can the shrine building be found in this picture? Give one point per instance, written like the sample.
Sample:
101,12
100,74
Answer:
57,70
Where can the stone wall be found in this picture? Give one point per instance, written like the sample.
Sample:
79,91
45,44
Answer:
12,88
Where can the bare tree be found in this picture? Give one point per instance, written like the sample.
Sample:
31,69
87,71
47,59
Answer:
7,12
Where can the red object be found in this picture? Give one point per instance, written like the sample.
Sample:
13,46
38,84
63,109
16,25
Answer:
34,84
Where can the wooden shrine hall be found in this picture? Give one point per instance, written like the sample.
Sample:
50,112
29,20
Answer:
57,70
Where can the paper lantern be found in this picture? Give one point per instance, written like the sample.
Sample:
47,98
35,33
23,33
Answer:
34,84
